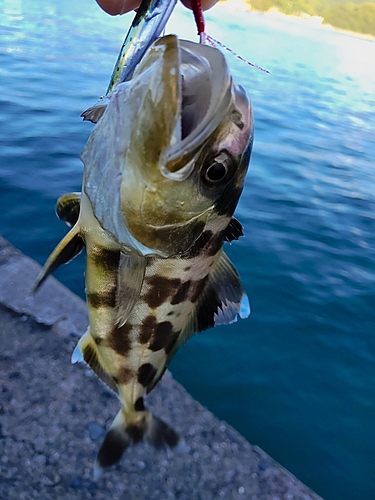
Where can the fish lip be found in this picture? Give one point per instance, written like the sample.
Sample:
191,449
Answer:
217,86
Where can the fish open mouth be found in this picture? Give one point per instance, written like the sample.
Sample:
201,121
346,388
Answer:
205,89
190,94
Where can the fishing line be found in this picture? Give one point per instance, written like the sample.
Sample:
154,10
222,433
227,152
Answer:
206,39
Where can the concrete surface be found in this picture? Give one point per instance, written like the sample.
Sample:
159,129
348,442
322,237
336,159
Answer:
53,416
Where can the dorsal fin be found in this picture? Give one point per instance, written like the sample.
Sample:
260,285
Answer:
67,208
233,231
95,112
68,248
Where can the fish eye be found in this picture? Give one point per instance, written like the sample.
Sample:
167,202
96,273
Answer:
217,169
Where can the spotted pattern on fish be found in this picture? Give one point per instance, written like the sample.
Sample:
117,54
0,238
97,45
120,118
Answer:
160,289
171,288
147,327
119,339
199,244
106,261
125,375
134,355
182,293
139,405
146,373
103,299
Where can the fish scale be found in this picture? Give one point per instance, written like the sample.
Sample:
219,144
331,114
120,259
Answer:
157,318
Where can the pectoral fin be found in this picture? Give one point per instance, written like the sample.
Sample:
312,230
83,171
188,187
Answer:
221,301
131,274
68,248
233,231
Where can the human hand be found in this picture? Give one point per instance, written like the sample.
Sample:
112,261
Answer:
118,7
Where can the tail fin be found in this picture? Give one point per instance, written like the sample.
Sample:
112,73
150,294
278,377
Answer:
130,429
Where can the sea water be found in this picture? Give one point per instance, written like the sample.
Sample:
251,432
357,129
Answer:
297,378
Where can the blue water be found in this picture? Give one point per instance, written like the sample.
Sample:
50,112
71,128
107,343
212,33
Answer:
298,377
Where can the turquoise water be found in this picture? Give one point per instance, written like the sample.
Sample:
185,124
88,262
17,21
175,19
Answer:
298,377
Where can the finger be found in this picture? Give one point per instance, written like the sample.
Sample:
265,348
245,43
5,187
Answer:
118,7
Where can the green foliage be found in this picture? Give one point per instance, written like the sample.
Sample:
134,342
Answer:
359,18
357,15
290,6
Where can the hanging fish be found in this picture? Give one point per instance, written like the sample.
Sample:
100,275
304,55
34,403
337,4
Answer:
164,168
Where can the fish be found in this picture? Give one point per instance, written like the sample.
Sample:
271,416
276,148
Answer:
164,168
147,25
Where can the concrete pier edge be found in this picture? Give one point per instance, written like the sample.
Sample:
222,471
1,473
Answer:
53,416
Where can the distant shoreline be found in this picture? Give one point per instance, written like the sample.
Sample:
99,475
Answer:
317,21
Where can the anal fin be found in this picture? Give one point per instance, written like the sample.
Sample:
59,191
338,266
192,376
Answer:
89,351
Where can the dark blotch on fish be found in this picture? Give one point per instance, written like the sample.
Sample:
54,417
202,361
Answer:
172,340
139,404
107,260
200,243
103,299
124,375
161,336
160,290
147,329
228,201
146,373
162,435
215,244
119,339
181,294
